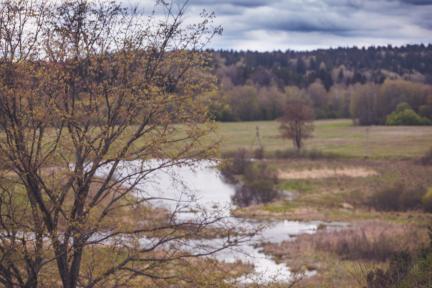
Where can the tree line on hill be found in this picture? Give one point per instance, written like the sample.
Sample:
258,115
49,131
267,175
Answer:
367,104
346,66
365,84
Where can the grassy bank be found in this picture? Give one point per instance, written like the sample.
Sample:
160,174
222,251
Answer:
339,137
346,189
379,199
322,192
344,258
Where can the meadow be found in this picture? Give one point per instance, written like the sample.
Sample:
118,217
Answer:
338,137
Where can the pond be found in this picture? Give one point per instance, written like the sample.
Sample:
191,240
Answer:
201,190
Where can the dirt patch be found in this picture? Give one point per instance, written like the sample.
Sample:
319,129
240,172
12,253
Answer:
327,173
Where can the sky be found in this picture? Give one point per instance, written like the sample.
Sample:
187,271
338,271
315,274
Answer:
266,25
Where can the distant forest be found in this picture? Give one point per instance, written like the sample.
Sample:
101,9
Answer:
255,85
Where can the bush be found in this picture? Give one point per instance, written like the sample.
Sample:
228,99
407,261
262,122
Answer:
258,179
406,270
427,201
397,271
420,274
259,153
235,166
255,192
427,158
357,245
259,186
372,241
405,115
398,197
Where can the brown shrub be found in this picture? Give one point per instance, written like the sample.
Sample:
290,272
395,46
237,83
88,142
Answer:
259,153
398,196
259,185
370,240
427,158
235,165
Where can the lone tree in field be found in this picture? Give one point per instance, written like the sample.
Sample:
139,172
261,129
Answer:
84,86
297,121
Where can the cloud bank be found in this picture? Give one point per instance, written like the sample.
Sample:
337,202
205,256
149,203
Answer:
267,25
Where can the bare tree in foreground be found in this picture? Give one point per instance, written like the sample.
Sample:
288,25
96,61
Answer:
297,121
85,85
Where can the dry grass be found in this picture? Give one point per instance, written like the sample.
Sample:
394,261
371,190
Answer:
342,258
327,173
179,273
373,240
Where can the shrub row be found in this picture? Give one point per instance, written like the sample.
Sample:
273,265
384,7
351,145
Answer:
401,197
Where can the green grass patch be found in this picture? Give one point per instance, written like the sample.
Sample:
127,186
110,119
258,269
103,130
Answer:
280,207
338,137
297,186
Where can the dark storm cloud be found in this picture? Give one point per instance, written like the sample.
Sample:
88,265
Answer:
310,24
417,2
241,3
299,25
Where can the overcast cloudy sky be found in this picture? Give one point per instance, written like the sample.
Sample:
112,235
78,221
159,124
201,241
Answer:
310,24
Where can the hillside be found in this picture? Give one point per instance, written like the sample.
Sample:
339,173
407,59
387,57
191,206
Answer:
363,84
332,66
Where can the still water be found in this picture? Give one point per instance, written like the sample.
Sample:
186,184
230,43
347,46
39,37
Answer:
200,191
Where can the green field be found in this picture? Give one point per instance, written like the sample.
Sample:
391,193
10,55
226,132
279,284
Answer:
333,136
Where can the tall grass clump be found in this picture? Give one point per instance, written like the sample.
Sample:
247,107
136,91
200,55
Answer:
406,269
399,196
372,241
